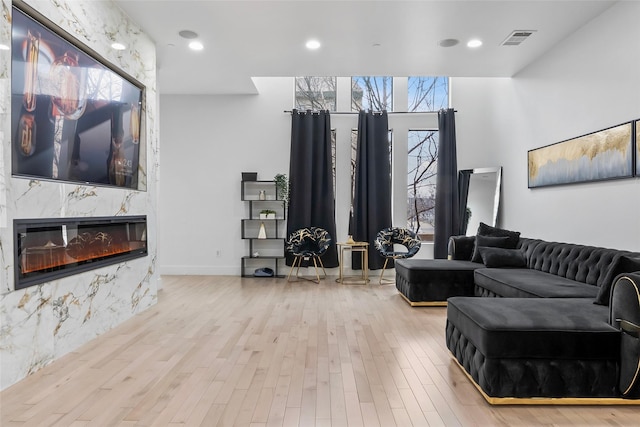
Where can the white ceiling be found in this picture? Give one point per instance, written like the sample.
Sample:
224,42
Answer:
245,39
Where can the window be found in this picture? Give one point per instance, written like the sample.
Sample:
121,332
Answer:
425,95
372,93
421,181
428,93
316,93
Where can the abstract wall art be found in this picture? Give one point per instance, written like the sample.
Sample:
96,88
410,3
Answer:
602,155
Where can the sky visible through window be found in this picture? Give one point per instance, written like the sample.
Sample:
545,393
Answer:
372,93
428,93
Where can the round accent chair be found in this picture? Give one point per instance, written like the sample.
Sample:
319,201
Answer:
305,243
389,237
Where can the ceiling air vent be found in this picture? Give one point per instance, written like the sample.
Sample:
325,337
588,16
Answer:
517,37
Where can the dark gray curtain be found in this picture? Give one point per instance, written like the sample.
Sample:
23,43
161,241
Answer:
447,210
311,198
464,177
372,195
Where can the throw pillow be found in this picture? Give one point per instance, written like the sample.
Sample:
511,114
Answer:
500,257
487,230
623,264
488,241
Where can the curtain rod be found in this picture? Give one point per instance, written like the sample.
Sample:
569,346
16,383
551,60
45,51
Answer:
375,112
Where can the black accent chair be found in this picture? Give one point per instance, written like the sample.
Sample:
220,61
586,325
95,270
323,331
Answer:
308,243
388,237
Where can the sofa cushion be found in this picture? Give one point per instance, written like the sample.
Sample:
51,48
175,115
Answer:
461,247
487,230
488,242
560,328
500,258
527,283
622,264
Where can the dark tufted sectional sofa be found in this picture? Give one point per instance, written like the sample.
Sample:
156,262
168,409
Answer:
542,322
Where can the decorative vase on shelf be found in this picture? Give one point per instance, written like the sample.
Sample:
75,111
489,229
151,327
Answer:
262,234
262,195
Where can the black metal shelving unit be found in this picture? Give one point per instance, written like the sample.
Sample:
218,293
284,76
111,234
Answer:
271,248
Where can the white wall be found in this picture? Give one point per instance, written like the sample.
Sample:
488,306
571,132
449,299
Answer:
209,141
588,82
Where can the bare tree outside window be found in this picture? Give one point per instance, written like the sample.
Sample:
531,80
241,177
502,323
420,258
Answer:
372,93
316,93
428,93
421,187
424,94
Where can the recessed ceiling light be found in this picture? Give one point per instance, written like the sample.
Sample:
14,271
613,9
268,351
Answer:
188,34
448,42
196,45
474,43
313,44
118,46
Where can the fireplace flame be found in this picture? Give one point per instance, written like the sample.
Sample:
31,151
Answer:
52,256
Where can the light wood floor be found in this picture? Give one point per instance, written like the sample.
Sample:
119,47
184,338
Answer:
261,352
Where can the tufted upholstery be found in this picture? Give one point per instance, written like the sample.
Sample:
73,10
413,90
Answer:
546,337
584,264
541,347
533,377
558,270
438,279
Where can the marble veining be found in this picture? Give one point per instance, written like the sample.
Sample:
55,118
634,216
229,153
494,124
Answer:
42,323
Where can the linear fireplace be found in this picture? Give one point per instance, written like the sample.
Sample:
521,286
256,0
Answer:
48,249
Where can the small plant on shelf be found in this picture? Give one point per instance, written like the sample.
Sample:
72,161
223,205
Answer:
282,188
267,214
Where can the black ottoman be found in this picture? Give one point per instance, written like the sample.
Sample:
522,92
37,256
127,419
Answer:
535,347
429,282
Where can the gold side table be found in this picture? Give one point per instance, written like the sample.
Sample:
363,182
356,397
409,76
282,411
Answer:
363,248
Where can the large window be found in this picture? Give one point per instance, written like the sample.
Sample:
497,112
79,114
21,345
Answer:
316,93
372,93
421,181
425,95
428,93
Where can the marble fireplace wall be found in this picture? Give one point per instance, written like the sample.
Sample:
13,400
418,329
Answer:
41,323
